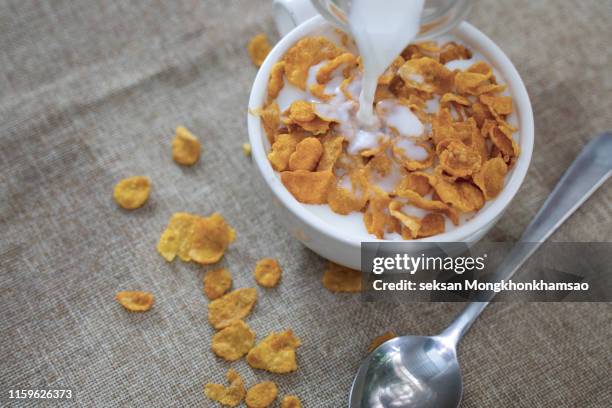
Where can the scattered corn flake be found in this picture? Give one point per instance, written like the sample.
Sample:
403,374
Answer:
459,160
211,237
308,187
325,72
411,223
378,340
132,192
332,149
258,48
290,401
217,282
233,306
177,237
338,278
490,179
261,395
306,155
185,147
194,238
234,341
246,149
276,81
305,53
275,353
431,224
267,272
230,396
135,300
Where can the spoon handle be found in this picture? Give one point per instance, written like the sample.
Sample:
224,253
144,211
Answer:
587,173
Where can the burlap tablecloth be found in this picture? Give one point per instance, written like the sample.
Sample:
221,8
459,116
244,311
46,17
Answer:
91,91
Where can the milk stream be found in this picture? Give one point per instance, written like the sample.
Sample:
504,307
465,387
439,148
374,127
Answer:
381,30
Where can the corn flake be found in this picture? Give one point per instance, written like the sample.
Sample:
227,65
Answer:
246,149
267,272
426,74
275,81
502,139
411,224
341,200
217,282
233,306
211,237
416,182
308,187
431,224
185,147
459,160
431,205
376,216
135,301
290,401
338,278
282,149
378,340
261,395
490,179
132,192
305,53
452,51
275,353
230,396
462,195
270,119
258,49
500,105
325,72
332,149
191,237
234,341
307,154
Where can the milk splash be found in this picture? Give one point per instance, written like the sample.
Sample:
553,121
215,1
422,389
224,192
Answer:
381,31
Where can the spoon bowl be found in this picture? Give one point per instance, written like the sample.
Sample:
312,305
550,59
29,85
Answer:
409,371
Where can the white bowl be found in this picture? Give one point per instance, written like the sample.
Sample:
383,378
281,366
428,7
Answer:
330,241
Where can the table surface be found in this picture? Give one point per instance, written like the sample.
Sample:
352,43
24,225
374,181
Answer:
91,91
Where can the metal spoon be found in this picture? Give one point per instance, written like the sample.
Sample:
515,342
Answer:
420,371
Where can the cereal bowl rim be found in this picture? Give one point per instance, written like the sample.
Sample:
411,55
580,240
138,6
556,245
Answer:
483,218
